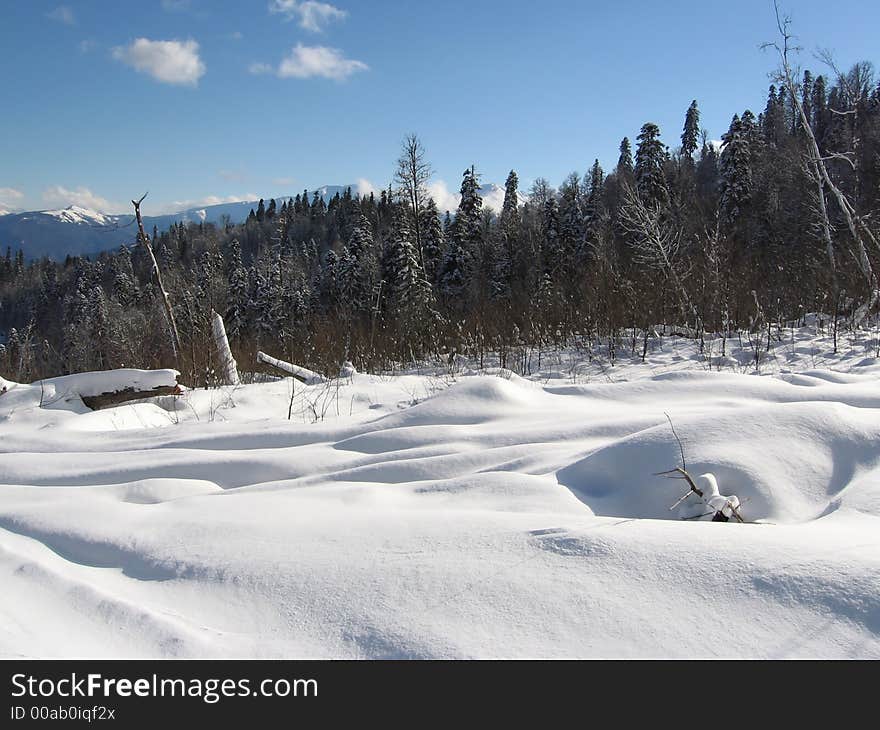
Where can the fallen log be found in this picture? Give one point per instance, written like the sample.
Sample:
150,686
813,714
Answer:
307,376
105,388
114,398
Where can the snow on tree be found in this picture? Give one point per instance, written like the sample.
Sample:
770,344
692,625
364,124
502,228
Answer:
571,218
433,239
650,160
237,297
552,253
690,136
468,219
357,269
625,161
736,166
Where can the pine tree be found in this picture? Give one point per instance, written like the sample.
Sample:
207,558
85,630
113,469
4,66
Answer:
237,295
650,161
510,219
124,287
356,269
691,134
773,119
820,112
595,186
468,228
405,278
451,276
736,168
571,219
625,161
707,172
552,255
432,239
806,98
509,264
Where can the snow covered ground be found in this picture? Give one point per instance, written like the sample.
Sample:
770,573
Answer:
454,514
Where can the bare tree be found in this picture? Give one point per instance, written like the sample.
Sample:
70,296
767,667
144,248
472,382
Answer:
145,241
656,241
819,172
411,177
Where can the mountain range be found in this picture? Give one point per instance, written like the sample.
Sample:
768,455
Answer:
77,231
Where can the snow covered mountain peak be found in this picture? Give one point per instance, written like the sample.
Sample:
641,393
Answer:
77,214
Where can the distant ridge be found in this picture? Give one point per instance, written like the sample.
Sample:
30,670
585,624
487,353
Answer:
78,231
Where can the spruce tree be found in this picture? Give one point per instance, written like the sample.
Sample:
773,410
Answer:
691,134
649,172
468,227
432,239
356,269
625,161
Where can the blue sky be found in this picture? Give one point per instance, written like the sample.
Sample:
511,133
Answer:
269,97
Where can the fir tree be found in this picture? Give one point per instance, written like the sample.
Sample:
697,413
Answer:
237,295
625,161
691,134
468,228
432,239
356,269
650,161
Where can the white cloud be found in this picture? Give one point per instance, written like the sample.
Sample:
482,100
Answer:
493,196
258,69
236,35
175,6
171,62
283,181
10,199
178,205
86,45
312,15
10,196
61,197
306,62
62,14
364,187
445,199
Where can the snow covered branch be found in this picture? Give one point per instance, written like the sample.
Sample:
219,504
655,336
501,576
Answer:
309,377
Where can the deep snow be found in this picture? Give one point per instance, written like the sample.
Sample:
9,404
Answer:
454,514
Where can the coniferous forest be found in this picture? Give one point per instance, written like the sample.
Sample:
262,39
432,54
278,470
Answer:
681,231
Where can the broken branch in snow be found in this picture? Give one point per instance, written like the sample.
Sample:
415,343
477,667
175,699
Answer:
680,447
721,507
309,377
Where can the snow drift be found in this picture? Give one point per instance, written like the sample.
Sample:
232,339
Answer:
422,516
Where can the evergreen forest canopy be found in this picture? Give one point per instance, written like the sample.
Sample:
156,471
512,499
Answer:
756,232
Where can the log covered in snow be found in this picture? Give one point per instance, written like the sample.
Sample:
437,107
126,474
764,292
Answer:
105,388
309,377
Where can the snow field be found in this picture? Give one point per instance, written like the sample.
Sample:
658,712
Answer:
466,515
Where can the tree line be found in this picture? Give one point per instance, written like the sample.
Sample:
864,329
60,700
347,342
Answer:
706,237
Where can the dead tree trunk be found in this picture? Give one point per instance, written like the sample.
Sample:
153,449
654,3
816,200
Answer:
227,362
145,241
